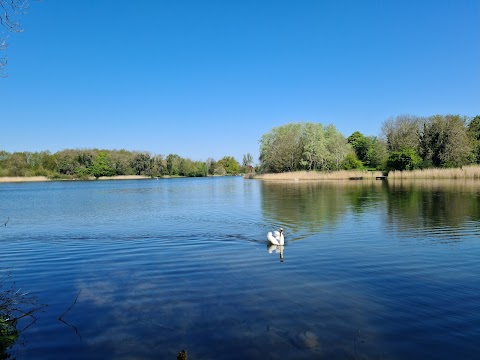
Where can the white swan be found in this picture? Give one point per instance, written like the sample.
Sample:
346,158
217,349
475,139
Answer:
276,238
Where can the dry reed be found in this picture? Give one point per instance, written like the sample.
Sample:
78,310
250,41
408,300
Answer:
321,175
466,172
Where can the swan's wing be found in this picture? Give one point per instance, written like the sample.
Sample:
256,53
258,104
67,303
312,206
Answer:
272,239
276,234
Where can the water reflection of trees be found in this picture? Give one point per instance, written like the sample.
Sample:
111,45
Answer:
307,207
311,206
433,203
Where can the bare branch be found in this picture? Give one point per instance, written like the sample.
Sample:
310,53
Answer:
66,311
9,12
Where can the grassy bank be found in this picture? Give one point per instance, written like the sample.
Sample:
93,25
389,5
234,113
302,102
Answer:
466,172
317,175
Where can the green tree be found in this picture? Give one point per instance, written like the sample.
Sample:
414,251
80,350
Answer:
141,164
351,162
406,159
337,146
377,153
159,166
445,142
66,162
303,146
17,164
231,166
210,164
360,145
121,162
101,166
402,132
281,149
313,142
473,130
190,168
173,164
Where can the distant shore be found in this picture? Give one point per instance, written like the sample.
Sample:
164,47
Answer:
17,179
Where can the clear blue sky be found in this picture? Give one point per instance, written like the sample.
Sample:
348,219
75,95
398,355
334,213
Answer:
209,78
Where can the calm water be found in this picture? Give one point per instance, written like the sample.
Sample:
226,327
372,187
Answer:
371,270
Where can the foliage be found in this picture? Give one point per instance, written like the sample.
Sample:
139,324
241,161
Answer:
229,164
303,146
281,149
210,165
370,150
87,163
407,159
8,336
101,166
439,140
444,141
351,162
473,130
402,132
360,144
377,153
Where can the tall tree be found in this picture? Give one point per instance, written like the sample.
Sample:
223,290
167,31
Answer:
303,146
247,160
444,141
360,145
402,132
377,153
173,164
314,156
337,146
210,164
473,130
281,149
141,164
231,166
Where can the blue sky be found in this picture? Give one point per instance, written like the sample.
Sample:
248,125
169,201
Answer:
209,78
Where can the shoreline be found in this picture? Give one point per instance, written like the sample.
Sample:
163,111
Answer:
19,179
350,175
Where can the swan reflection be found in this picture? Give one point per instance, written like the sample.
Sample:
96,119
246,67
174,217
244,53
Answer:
277,248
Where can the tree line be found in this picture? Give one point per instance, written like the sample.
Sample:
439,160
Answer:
406,143
86,163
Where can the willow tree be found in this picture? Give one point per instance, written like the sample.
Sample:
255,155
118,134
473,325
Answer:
281,149
303,146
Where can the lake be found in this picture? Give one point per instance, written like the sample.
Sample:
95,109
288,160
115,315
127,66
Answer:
143,269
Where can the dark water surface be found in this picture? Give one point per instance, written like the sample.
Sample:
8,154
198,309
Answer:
371,270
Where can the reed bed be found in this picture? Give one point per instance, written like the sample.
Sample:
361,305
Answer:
466,172
321,175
